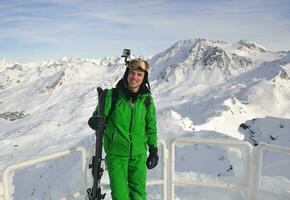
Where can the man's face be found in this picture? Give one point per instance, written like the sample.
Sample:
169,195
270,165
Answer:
135,76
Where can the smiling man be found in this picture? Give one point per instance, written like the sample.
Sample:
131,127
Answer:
137,70
130,131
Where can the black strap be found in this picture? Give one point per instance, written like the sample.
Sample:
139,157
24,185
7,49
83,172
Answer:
147,102
113,103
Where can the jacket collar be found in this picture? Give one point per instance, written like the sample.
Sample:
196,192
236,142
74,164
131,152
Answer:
122,84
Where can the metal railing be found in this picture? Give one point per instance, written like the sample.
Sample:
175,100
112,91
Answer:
250,187
6,175
212,183
5,186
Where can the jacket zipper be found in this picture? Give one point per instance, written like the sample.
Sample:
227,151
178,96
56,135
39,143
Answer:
131,122
111,142
113,135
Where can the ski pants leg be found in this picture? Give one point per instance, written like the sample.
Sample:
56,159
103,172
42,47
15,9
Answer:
137,177
127,177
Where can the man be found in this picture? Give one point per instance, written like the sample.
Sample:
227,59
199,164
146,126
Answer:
130,130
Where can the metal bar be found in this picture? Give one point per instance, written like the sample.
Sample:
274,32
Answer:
1,191
172,169
155,182
273,147
216,184
164,171
198,140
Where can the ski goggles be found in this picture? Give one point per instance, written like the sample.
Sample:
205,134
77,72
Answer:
138,64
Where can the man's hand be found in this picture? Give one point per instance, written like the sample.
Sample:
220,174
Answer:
96,122
153,158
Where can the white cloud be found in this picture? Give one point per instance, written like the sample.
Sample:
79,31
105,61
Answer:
79,23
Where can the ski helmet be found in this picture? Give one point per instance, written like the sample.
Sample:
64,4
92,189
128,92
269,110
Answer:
137,65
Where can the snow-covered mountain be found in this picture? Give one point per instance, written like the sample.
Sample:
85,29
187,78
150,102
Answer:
206,61
203,88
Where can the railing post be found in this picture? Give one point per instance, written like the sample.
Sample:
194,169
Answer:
255,174
84,167
1,191
170,170
164,170
164,177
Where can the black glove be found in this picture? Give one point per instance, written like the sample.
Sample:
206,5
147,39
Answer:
96,122
152,159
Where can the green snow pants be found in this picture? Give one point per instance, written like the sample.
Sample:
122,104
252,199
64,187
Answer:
127,177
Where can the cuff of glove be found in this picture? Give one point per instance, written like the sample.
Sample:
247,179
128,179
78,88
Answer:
153,150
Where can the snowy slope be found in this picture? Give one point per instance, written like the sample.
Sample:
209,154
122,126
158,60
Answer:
202,88
47,111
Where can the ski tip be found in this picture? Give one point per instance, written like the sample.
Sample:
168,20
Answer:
100,90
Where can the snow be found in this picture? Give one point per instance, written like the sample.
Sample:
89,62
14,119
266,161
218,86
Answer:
201,88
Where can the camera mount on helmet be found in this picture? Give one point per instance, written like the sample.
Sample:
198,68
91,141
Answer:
126,54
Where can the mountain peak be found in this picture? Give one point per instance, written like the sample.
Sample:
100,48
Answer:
200,55
252,46
4,63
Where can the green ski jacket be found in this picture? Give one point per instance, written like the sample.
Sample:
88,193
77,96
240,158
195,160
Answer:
131,127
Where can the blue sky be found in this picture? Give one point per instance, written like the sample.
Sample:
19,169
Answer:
36,29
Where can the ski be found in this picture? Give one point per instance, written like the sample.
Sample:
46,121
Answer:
95,192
